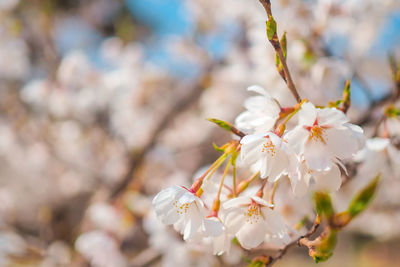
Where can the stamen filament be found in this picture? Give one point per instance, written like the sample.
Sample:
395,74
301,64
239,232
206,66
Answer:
218,163
271,198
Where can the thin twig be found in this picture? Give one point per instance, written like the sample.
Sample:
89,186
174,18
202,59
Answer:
282,252
278,49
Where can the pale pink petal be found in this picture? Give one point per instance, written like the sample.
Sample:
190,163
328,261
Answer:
275,223
193,223
237,202
187,198
252,235
258,89
265,167
279,165
307,114
252,138
170,217
317,156
297,138
261,201
329,180
299,182
234,220
221,244
377,143
342,143
213,227
331,117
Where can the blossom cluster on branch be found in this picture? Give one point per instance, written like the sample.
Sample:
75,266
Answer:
103,104
309,145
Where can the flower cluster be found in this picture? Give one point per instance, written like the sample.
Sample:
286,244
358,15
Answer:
305,143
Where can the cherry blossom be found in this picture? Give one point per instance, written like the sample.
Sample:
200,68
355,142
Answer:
379,155
304,177
261,113
221,239
180,207
252,220
324,135
268,152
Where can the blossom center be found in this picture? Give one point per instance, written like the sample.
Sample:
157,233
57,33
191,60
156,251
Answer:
253,213
268,147
317,133
181,209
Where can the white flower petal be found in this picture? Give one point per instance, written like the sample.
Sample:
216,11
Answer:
297,138
317,156
329,180
307,114
237,202
193,223
213,227
234,220
299,183
258,89
377,143
279,165
222,244
331,117
261,201
187,198
252,235
342,143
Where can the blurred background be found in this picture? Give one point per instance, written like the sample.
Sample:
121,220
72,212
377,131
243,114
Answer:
104,103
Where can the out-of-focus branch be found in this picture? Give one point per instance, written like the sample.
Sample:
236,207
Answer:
279,51
136,158
369,114
389,98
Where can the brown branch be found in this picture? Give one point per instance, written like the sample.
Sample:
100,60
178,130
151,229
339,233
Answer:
237,132
387,99
282,252
369,114
278,49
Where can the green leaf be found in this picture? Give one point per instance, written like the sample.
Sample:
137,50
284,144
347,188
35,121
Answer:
256,264
323,204
223,124
323,249
278,62
217,148
335,104
260,261
271,27
364,197
392,112
284,44
346,100
346,90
